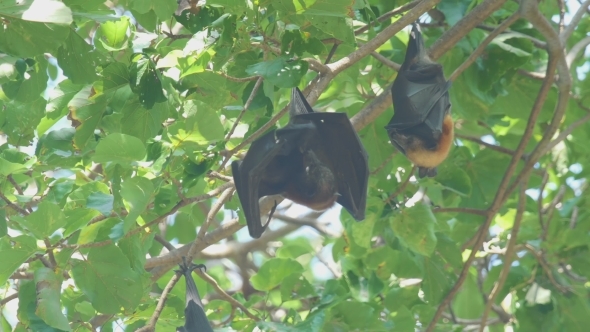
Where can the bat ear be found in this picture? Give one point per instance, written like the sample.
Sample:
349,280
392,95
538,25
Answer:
299,104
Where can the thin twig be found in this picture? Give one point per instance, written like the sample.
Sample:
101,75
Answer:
464,26
163,242
151,325
565,133
161,218
508,257
546,267
488,145
386,61
380,167
503,188
50,253
331,53
158,266
8,299
566,34
550,209
225,296
239,79
401,187
313,223
248,102
481,47
224,197
215,175
12,205
388,15
478,212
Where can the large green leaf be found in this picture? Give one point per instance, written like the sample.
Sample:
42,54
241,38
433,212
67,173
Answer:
108,281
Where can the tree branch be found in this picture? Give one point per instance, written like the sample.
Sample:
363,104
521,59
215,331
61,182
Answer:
481,47
566,34
508,257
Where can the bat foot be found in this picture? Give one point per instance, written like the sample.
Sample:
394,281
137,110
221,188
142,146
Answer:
186,267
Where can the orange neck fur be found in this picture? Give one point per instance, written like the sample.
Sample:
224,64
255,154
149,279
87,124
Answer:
425,158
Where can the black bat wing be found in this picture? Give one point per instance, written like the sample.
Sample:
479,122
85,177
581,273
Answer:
346,155
299,104
419,103
248,175
194,313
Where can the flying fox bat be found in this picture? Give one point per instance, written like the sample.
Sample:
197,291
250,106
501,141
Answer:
422,126
194,313
315,160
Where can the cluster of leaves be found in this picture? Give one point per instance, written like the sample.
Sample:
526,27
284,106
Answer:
110,123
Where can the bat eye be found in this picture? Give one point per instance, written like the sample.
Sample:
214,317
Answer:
310,192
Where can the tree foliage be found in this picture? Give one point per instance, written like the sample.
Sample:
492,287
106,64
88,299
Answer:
118,120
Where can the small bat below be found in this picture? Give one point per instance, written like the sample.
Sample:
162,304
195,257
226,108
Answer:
194,313
422,126
317,159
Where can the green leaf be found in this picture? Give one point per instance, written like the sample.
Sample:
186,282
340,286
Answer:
453,10
114,34
48,298
146,81
465,305
202,127
108,281
119,148
14,252
77,59
273,271
232,6
454,178
295,286
78,218
24,38
45,11
7,168
356,315
281,71
163,8
294,250
329,8
86,116
137,193
45,220
101,202
436,281
415,227
337,27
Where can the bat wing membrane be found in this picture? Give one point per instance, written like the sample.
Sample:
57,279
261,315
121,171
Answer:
414,105
346,157
299,104
247,177
194,313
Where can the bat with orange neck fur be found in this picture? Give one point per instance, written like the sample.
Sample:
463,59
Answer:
316,160
422,126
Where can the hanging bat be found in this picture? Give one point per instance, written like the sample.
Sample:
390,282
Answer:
317,159
194,313
422,126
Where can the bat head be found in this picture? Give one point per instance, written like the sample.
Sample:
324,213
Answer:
316,185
